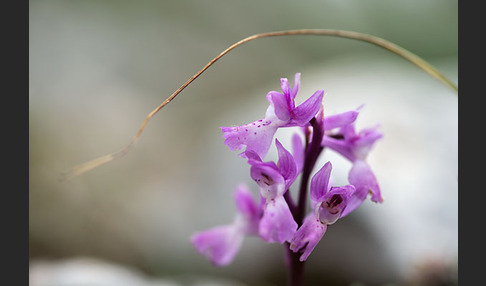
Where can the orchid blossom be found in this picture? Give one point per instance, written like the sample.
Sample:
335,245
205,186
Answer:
277,223
257,136
328,204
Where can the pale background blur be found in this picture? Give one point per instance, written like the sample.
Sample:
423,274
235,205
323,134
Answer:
97,68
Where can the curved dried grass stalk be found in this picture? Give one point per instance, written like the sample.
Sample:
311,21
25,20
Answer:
87,166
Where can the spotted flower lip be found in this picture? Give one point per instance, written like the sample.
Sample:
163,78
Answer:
257,136
308,236
220,244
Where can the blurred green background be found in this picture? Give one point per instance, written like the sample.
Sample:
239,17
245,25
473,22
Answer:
97,68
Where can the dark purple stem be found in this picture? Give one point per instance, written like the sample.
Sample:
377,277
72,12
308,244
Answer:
312,151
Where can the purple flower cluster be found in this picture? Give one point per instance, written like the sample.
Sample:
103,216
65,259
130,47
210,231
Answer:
276,218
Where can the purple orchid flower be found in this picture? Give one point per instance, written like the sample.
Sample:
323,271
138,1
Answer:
220,244
257,136
328,204
277,223
356,147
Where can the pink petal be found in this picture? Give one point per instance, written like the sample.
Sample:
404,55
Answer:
320,182
248,208
268,177
340,120
298,152
308,236
364,180
280,105
219,244
296,87
340,146
286,164
277,223
303,113
285,86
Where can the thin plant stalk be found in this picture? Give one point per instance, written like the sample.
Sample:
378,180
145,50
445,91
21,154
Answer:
312,151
